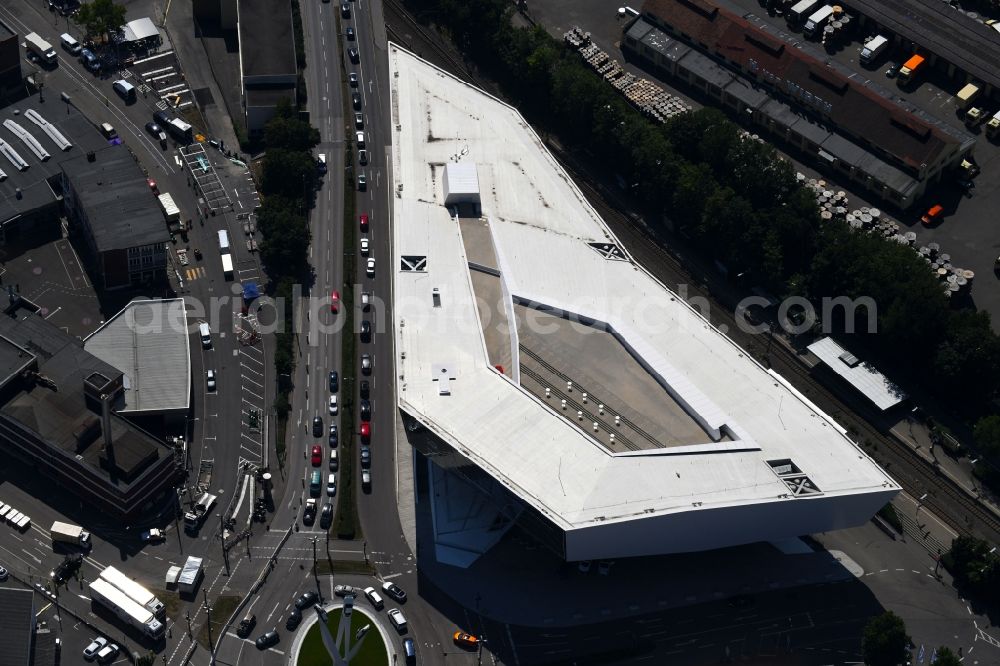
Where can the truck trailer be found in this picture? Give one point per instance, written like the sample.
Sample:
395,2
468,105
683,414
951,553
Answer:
799,11
817,20
41,48
873,48
128,611
71,534
134,591
171,212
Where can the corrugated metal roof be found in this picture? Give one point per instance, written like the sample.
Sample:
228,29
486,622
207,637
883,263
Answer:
148,342
17,621
190,570
864,377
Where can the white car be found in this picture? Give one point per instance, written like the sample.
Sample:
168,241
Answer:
398,619
331,484
364,246
333,405
95,646
371,267
107,653
210,380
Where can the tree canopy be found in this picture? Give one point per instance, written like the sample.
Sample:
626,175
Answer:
885,642
101,18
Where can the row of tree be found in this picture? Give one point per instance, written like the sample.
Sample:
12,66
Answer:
288,180
740,202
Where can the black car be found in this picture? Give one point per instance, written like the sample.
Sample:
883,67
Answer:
317,427
65,570
157,132
350,33
162,118
366,457
267,640
345,10
892,71
394,591
356,101
334,381
333,434
307,599
326,517
294,618
366,331
365,389
366,410
309,513
353,55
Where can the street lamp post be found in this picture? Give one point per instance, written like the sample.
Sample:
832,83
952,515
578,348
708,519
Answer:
208,611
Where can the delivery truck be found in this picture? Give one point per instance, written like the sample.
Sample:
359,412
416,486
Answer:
71,534
171,213
196,515
816,21
41,49
873,48
127,610
967,95
909,70
799,11
993,126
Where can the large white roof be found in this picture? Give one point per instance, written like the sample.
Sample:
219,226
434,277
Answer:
540,226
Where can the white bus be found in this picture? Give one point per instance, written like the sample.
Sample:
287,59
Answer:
127,610
223,241
134,591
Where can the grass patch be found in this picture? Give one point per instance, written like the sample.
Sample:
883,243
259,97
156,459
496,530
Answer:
222,609
373,651
327,567
172,603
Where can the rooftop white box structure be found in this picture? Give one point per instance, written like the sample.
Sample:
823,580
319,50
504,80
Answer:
461,183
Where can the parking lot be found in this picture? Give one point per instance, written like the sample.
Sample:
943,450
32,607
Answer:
966,231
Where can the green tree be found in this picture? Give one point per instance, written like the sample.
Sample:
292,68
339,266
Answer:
101,18
987,435
945,657
885,641
289,173
969,354
286,242
288,133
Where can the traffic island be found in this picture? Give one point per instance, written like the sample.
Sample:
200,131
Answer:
308,648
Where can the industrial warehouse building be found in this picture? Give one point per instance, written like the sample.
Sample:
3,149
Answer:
847,124
58,416
550,382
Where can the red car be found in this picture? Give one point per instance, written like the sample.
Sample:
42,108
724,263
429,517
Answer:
364,222
366,431
317,456
932,215
334,301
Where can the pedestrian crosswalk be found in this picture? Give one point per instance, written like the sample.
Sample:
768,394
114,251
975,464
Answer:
192,274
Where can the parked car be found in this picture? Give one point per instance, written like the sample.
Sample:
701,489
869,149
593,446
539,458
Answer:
353,55
90,652
366,410
366,457
306,599
334,440
333,405
265,641
366,480
365,389
352,78
370,267
334,460
364,246
331,487
90,60
210,380
157,132
365,430
362,182
359,121
345,10
394,591
107,653
892,70
350,33
366,331
363,157
152,535
366,363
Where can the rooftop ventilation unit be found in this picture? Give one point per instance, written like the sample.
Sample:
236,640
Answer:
798,484
849,359
28,140
12,155
62,143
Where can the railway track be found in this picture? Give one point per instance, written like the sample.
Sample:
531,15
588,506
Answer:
915,475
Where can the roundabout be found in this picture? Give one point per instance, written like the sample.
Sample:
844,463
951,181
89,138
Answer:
347,636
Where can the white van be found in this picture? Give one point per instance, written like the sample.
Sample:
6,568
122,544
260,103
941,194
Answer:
125,89
206,335
873,48
108,131
361,139
69,43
